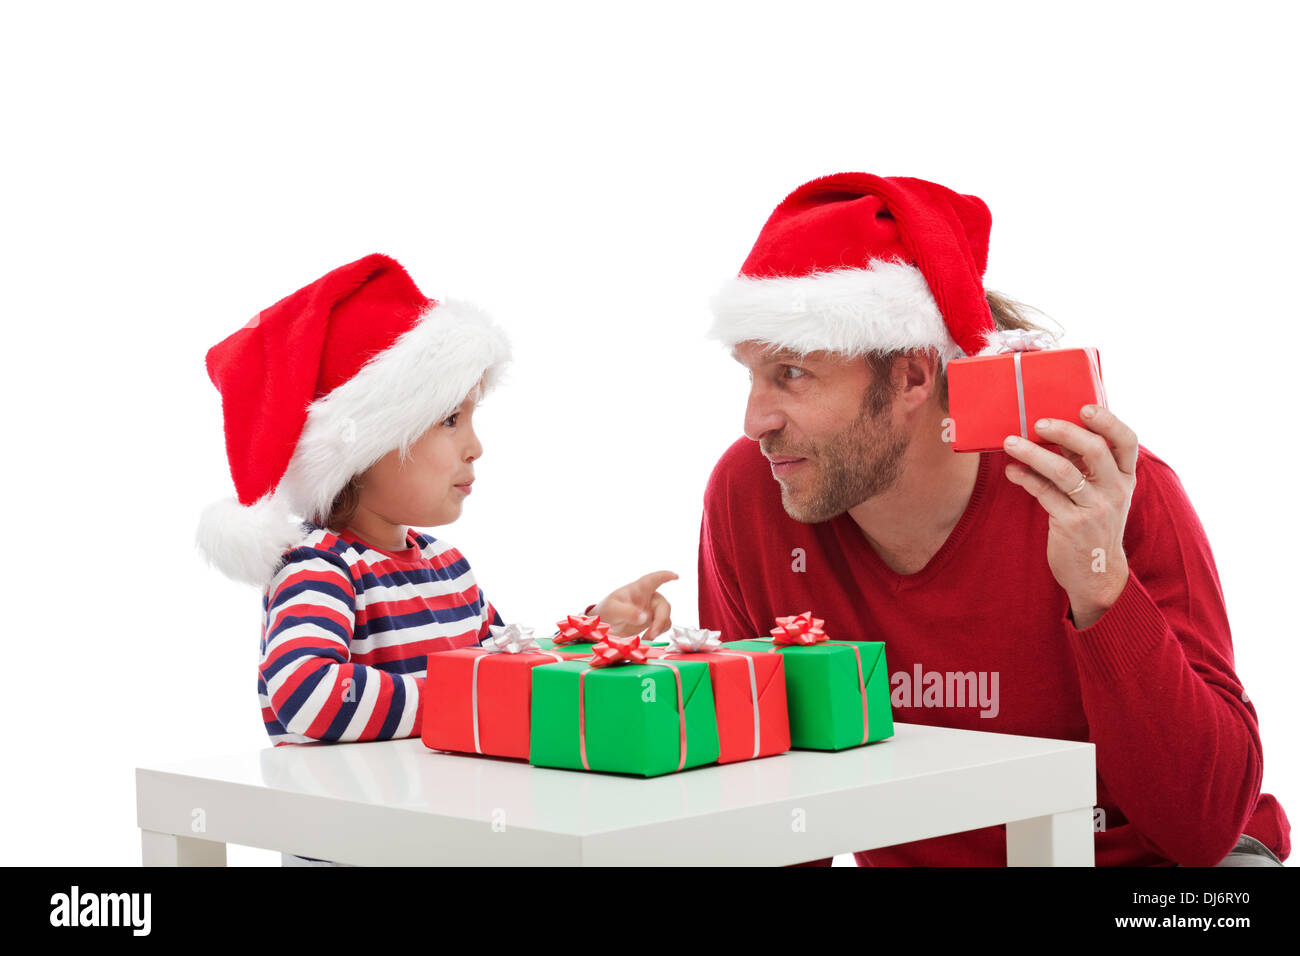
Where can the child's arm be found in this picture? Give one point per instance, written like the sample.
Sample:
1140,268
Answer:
488,616
314,688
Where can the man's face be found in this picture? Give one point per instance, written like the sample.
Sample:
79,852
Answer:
824,426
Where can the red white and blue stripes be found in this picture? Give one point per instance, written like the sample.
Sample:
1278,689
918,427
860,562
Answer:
346,629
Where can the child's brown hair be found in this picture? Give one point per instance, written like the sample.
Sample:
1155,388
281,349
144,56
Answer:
345,505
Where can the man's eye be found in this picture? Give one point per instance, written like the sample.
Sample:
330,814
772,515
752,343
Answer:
791,368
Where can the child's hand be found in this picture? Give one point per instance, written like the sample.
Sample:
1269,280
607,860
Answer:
629,609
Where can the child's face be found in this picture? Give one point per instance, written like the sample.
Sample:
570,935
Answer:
430,487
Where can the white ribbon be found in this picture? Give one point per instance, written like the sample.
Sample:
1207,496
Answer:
510,639
694,640
1020,395
1094,367
753,695
1017,342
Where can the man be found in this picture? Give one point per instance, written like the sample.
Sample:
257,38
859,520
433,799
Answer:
1065,589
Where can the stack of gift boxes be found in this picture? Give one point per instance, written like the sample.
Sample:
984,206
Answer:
586,699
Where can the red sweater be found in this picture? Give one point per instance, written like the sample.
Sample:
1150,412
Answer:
1179,759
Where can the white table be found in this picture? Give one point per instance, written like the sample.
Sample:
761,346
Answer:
398,803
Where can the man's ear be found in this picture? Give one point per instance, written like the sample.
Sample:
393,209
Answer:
916,372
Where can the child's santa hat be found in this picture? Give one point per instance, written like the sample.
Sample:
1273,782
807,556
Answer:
854,263
320,386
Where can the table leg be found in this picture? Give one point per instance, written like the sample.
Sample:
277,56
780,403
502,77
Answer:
1059,839
168,849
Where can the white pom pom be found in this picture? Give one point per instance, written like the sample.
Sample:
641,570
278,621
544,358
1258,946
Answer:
246,543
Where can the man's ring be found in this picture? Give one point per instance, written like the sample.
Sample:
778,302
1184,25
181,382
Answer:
1078,487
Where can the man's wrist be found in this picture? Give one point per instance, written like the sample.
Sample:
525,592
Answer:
1085,612
1084,619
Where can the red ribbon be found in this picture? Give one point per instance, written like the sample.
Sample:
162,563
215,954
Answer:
473,687
618,650
804,629
862,688
799,629
625,650
579,628
753,689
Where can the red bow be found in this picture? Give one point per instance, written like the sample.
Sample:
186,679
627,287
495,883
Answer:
579,628
799,629
617,650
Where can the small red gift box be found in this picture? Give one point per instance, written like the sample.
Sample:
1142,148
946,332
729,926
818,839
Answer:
477,701
993,396
749,699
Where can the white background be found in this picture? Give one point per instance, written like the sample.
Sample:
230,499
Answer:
590,176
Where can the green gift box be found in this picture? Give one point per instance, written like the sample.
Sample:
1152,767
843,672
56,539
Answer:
631,720
548,644
831,708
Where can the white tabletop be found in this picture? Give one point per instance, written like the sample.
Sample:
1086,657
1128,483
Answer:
397,802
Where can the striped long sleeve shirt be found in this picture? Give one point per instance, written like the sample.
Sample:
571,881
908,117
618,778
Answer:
346,628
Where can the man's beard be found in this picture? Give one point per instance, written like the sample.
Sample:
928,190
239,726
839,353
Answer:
860,462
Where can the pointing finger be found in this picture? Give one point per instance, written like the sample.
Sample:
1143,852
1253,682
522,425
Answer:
654,580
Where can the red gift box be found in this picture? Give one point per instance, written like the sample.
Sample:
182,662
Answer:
993,396
749,698
477,701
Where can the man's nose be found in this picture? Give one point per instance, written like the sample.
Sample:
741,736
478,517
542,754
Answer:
762,415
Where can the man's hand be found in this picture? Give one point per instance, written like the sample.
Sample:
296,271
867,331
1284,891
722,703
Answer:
630,608
1085,538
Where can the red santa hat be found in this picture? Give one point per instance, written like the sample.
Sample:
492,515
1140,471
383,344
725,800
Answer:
320,386
854,263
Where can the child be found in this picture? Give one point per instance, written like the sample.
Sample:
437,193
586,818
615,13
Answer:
351,403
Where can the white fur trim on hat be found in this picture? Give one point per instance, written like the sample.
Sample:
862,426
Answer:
246,543
398,395
884,308
391,401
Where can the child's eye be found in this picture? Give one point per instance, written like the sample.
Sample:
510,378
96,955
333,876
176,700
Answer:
450,420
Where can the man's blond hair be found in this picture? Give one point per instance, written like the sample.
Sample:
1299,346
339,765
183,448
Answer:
1007,314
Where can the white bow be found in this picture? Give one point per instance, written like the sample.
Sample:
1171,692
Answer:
511,639
693,640
1017,340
